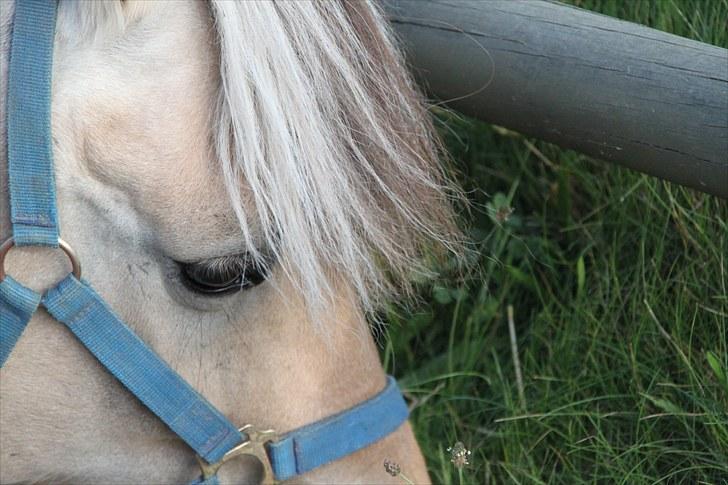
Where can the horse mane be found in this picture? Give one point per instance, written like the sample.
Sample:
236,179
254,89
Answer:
319,118
319,127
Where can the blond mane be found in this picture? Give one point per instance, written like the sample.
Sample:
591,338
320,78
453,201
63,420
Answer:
320,121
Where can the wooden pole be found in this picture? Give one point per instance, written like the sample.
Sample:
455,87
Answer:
614,90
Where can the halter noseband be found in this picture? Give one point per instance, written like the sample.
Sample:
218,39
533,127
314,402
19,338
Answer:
74,303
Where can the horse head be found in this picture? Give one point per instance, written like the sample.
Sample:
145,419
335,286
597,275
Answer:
244,183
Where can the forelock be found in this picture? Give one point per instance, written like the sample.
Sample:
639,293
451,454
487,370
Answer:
320,125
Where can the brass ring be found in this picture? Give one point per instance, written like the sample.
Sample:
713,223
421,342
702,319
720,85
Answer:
10,243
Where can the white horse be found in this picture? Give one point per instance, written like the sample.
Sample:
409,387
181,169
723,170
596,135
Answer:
243,182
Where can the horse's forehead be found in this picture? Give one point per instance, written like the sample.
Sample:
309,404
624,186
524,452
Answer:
147,88
133,113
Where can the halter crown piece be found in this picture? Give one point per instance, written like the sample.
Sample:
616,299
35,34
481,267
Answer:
74,303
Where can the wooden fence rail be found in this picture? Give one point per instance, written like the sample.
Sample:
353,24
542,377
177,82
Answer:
614,90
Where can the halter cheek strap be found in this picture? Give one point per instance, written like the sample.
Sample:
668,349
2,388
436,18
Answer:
30,175
74,302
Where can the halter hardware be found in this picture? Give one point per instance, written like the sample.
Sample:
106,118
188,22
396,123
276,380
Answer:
9,243
253,446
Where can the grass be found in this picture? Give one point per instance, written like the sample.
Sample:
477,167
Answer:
617,283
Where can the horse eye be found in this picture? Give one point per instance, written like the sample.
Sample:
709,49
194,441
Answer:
221,276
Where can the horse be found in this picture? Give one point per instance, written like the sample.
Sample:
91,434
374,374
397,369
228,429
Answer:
246,184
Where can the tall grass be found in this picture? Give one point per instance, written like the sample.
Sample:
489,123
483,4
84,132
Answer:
618,284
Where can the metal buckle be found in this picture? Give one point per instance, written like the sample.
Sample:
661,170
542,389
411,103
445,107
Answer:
10,243
254,446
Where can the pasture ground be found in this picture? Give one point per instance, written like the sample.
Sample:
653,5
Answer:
618,285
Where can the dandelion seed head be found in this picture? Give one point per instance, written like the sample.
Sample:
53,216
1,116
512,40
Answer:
392,468
459,455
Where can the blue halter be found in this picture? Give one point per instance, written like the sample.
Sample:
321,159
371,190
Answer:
74,303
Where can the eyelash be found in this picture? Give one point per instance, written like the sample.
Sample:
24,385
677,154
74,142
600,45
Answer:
222,276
